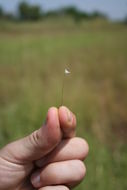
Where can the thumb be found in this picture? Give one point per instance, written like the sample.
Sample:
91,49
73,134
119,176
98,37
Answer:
38,144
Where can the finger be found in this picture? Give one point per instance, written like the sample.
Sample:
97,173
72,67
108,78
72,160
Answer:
68,149
67,122
58,187
68,172
39,143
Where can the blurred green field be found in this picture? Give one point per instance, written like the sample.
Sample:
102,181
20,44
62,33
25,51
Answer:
32,61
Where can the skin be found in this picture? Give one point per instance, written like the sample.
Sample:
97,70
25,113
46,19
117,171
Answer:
46,159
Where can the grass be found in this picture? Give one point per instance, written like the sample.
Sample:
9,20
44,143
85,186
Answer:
32,61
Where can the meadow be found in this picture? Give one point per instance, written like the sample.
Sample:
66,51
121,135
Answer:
33,57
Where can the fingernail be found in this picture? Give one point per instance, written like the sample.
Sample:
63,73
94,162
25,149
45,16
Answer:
69,116
36,179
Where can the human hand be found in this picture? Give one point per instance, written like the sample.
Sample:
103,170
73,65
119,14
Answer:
48,148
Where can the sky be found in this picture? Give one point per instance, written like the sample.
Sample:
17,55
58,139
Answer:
114,9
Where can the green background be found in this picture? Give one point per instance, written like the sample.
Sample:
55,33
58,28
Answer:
33,57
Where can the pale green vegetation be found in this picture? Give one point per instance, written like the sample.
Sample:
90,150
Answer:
32,61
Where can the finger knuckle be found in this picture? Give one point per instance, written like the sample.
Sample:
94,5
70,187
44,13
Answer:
64,188
35,139
84,148
81,171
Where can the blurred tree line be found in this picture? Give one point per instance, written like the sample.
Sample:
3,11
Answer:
29,12
34,12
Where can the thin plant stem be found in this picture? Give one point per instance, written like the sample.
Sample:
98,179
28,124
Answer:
62,95
66,72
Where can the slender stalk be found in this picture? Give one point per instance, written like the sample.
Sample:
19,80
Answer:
66,72
62,95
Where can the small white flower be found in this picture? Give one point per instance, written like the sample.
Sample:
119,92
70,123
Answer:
67,72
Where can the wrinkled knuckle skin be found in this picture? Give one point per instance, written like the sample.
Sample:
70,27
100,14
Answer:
35,139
